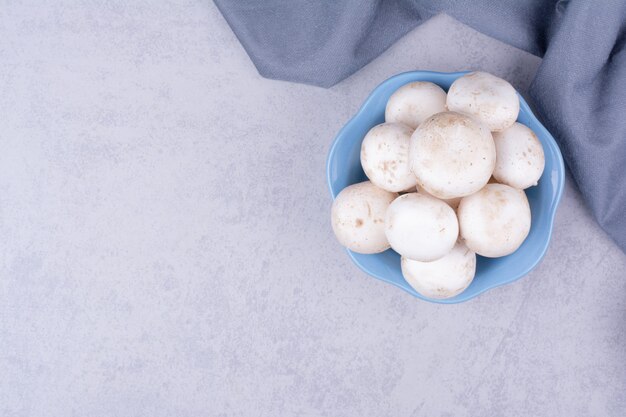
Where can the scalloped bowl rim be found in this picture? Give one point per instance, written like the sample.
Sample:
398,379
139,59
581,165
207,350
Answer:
553,206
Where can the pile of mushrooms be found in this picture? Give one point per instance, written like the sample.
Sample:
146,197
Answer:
447,174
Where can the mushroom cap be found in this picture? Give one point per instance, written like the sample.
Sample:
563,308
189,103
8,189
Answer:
445,277
452,155
494,221
519,157
413,103
452,202
420,227
385,157
358,217
486,97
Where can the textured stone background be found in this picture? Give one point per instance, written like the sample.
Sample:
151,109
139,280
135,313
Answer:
166,250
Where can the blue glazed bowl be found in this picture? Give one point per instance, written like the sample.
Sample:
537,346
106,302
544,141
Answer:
344,168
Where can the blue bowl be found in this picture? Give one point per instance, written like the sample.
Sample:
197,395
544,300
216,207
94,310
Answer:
344,168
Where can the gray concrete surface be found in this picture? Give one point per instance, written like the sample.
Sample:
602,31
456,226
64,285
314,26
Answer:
166,248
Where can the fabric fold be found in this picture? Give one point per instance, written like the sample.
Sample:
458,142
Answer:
579,89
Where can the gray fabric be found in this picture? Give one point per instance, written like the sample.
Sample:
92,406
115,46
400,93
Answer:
579,90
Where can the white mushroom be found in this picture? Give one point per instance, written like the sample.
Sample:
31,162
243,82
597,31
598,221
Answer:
443,278
452,155
358,217
420,227
519,157
494,221
385,156
486,97
452,202
413,103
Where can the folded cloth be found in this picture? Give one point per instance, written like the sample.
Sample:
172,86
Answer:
579,90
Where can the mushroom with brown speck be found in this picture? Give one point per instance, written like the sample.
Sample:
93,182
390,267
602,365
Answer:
486,97
511,169
385,156
413,103
495,221
356,217
452,155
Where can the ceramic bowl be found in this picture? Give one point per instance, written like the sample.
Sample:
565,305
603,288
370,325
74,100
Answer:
344,168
